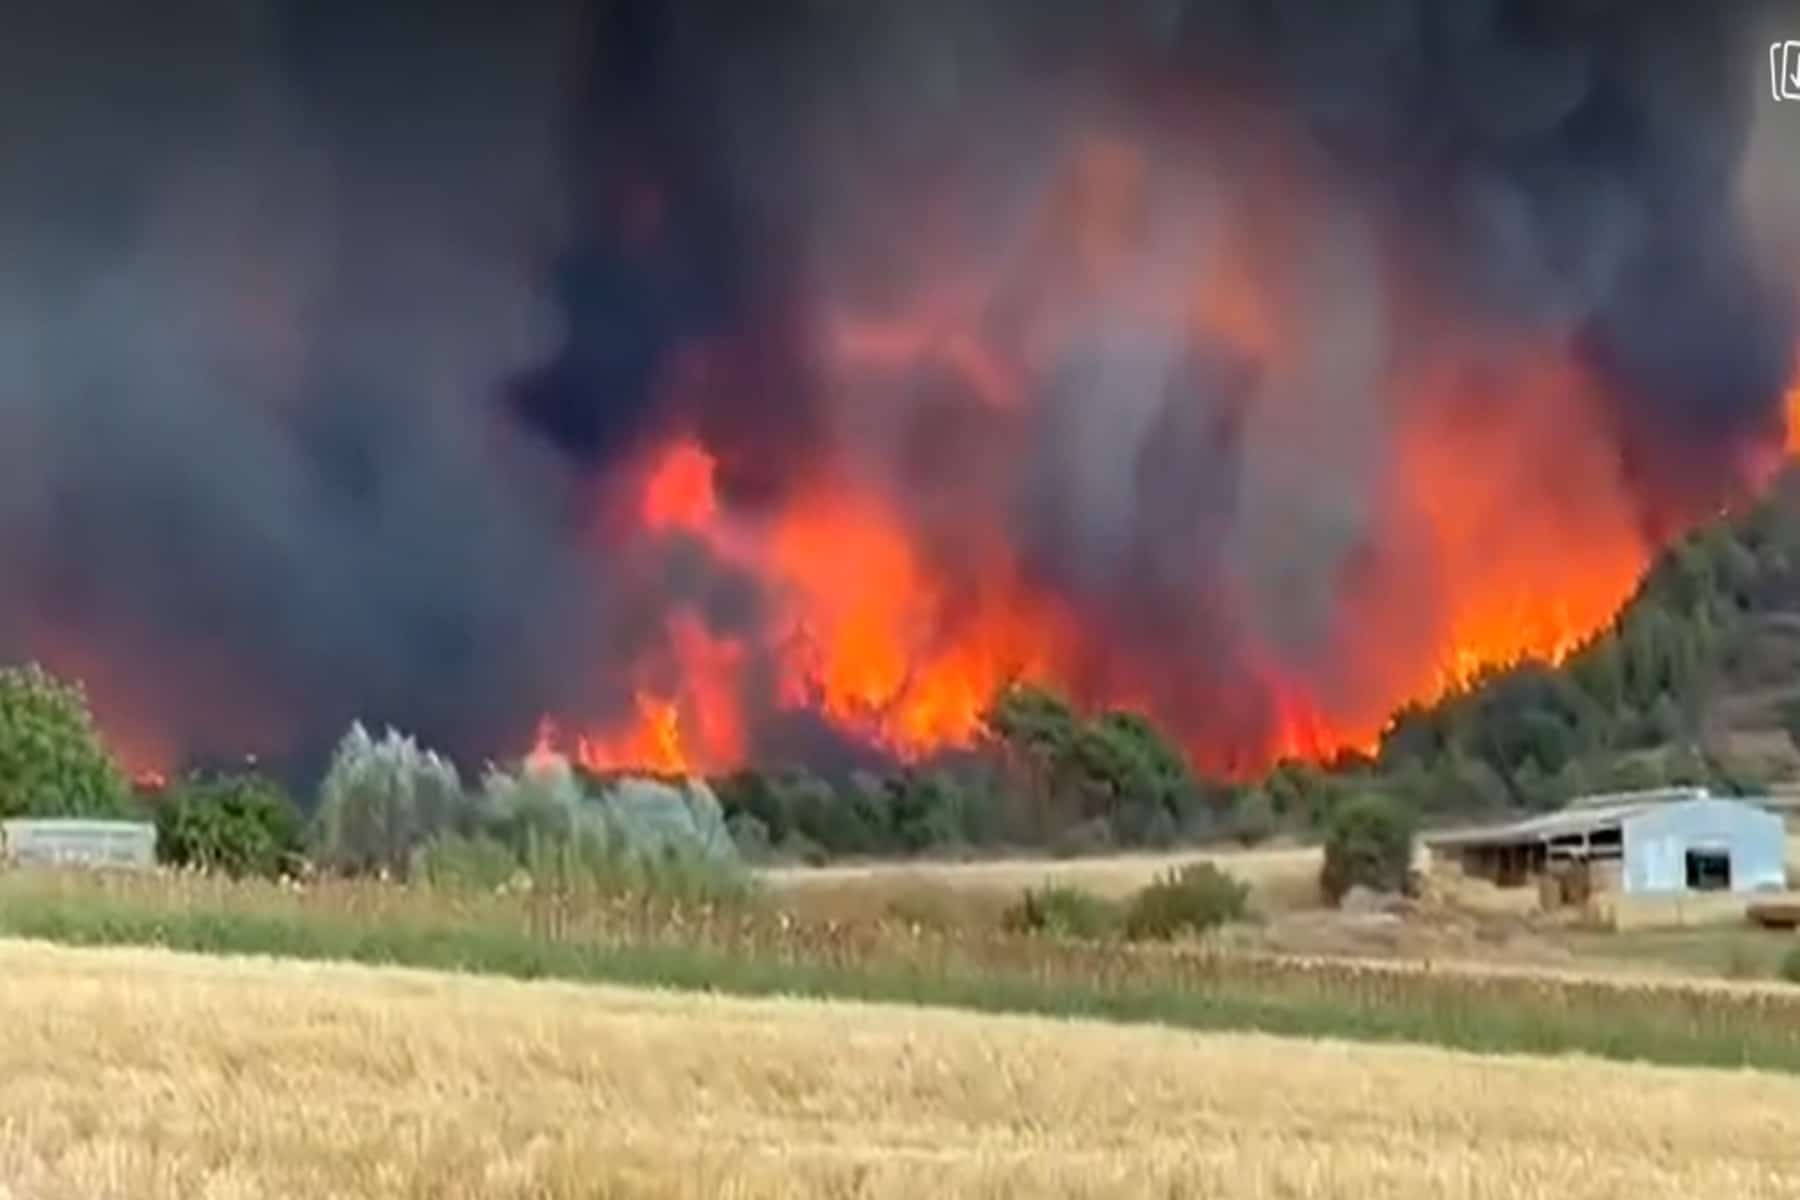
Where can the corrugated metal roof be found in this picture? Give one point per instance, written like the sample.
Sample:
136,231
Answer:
1661,795
1585,814
1566,823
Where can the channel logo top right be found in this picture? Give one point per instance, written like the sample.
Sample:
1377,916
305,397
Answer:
1784,70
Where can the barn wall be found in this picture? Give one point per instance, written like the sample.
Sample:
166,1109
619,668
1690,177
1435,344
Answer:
1657,842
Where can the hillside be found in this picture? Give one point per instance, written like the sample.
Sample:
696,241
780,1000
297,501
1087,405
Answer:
1696,681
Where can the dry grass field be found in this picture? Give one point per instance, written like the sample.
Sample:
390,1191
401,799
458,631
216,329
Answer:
146,1074
1280,878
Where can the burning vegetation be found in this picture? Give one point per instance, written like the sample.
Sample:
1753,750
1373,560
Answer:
1260,369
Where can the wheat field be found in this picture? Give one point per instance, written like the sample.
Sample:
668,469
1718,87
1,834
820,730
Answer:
1284,873
134,1073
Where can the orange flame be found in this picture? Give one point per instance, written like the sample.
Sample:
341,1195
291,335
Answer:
1502,527
1791,410
1531,533
679,493
684,711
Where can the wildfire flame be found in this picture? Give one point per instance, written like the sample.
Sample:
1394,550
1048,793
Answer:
1503,526
1791,409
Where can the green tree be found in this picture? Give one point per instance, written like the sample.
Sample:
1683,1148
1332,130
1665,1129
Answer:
925,811
381,800
1369,843
1301,792
1148,789
1667,719
238,824
1117,769
1532,787
1253,817
1036,730
1465,785
52,761
754,795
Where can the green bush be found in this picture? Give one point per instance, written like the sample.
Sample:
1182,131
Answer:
238,824
1059,910
52,761
1369,843
1253,817
926,810
454,860
800,809
1194,899
1790,965
798,848
588,865
751,837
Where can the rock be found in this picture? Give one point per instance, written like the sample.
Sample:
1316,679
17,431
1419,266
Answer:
1367,902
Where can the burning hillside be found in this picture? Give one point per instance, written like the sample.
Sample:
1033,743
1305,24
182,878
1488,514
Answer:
1258,367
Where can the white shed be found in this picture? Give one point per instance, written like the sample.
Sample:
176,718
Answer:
1650,843
75,842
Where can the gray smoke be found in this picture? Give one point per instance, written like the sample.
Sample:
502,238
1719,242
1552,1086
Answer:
261,293
321,322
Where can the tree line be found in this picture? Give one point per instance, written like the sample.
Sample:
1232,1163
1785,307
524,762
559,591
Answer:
1628,709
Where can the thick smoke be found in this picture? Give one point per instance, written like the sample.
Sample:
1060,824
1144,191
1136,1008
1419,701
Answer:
322,323
264,278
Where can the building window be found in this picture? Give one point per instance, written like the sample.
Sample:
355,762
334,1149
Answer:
1709,870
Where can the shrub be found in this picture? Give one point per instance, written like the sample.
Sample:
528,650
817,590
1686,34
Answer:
1194,899
926,811
1061,911
381,800
649,819
1369,843
588,865
1790,965
751,837
569,830
1302,792
52,762
1086,838
454,860
799,848
543,801
241,824
1253,817
799,808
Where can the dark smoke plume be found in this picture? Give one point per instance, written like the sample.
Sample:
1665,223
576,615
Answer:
319,320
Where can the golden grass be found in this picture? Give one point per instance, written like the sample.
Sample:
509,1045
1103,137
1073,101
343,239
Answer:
146,1074
1283,877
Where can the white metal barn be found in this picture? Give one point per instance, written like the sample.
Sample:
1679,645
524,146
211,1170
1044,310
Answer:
1640,843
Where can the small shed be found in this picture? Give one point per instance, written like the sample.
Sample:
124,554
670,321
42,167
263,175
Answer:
73,842
1637,843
